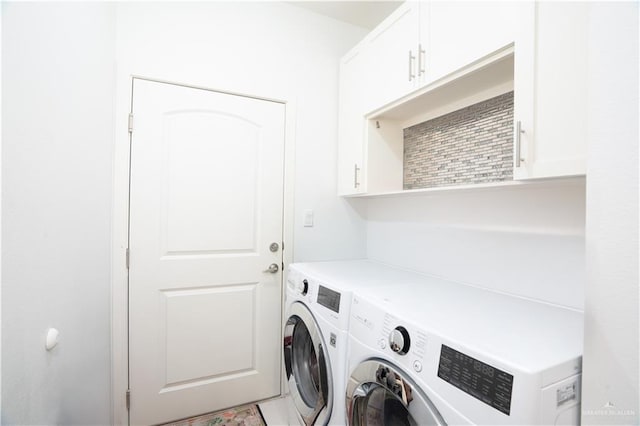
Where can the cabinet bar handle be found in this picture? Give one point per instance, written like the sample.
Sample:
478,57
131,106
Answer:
519,132
421,60
411,59
356,169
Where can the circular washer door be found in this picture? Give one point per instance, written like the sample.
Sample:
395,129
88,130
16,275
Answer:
307,368
378,393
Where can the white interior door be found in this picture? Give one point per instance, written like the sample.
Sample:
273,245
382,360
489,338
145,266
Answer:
206,204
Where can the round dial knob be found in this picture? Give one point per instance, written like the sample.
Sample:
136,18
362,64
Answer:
305,287
399,340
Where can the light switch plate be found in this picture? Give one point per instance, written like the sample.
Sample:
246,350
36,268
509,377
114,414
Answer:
308,218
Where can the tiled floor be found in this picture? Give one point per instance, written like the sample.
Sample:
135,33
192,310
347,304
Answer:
275,412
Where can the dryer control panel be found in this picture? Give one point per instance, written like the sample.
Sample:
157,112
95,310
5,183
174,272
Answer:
480,380
404,340
399,340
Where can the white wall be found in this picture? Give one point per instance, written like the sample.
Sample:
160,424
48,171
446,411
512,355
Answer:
527,241
267,49
611,362
58,77
57,141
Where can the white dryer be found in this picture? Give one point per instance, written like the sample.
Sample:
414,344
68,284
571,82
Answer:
317,307
438,352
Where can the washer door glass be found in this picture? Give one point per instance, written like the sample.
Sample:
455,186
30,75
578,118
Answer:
380,407
308,373
304,363
378,393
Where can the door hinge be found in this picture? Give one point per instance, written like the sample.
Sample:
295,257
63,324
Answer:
127,258
131,123
128,398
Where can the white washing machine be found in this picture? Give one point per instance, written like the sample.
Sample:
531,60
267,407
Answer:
311,336
317,306
438,352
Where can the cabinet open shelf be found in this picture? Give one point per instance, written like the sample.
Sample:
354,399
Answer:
483,79
493,186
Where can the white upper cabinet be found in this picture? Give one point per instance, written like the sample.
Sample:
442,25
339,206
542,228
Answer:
423,41
392,56
352,100
550,116
460,32
428,59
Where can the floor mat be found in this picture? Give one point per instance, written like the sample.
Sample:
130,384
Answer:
246,415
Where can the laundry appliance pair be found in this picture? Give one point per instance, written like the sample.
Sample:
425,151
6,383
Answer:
368,344
317,310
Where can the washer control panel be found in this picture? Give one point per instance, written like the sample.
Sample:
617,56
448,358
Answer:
329,299
298,285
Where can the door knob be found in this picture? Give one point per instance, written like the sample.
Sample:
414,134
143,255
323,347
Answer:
273,268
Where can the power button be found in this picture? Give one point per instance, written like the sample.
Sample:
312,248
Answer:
382,343
417,365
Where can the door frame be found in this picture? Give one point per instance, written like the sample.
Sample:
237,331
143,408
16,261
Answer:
120,227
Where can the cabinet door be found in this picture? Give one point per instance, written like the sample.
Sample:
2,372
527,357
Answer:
551,91
458,33
391,62
352,97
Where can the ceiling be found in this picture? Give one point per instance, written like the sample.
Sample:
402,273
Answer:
366,14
